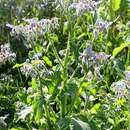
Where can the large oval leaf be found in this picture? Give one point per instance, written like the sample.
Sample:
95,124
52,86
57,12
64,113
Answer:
116,4
80,125
117,50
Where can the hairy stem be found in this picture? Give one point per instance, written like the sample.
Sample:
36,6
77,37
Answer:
65,78
45,106
56,55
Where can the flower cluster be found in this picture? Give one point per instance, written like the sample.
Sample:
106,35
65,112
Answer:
31,69
128,24
102,25
37,56
6,78
102,56
89,55
98,75
127,75
120,88
28,70
23,110
84,6
92,59
99,27
38,64
34,28
6,54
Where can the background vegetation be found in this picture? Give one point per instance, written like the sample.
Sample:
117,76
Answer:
64,65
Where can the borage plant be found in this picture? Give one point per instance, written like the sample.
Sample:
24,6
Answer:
75,61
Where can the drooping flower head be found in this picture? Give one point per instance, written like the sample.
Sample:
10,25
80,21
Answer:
6,54
84,6
127,75
34,28
102,56
120,88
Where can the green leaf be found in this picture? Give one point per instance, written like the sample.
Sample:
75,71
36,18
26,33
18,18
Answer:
65,27
39,114
38,48
34,84
54,38
64,123
95,108
80,125
38,108
17,128
111,121
25,112
117,50
17,66
52,86
116,4
121,120
47,61
72,88
81,36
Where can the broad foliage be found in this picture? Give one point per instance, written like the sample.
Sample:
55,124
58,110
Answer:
64,65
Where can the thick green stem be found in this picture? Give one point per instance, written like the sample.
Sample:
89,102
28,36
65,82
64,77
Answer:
65,75
128,56
63,105
67,50
45,106
48,117
65,78
56,55
62,92
128,106
111,11
76,95
73,74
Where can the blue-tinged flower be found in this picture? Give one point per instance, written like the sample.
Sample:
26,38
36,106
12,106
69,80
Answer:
84,6
6,54
88,54
31,21
33,68
34,28
6,78
28,70
97,73
37,56
95,33
89,76
38,64
128,24
102,56
127,75
120,88
49,72
102,25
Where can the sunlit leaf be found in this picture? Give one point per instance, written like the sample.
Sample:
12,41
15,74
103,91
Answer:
116,4
117,50
111,121
47,61
34,84
80,125
17,66
17,128
95,108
